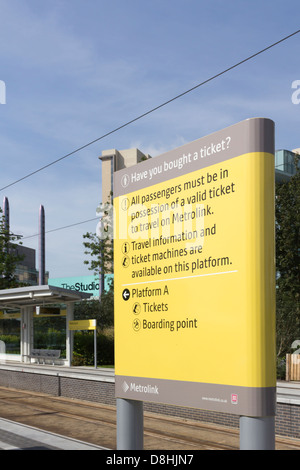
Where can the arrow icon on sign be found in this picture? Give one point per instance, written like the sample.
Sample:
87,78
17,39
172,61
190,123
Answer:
126,294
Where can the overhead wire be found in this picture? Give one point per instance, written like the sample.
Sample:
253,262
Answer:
61,228
136,119
151,110
77,223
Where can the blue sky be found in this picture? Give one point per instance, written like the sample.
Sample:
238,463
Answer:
77,69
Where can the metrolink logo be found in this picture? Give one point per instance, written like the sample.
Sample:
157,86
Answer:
133,387
2,92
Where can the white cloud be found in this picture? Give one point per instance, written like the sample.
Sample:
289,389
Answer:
72,78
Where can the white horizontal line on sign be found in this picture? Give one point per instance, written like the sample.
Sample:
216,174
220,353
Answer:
178,278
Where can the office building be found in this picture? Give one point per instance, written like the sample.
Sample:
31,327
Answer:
26,272
285,164
114,160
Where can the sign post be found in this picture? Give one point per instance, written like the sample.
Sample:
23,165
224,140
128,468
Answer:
257,433
195,274
130,419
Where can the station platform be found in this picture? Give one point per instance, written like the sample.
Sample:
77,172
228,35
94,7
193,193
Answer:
84,372
16,436
287,392
96,385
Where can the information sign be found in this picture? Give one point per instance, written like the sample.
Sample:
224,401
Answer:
82,325
195,274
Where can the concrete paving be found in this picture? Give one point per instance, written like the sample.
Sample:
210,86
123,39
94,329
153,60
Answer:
15,436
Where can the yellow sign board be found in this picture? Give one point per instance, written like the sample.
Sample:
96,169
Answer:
42,312
195,275
8,315
82,325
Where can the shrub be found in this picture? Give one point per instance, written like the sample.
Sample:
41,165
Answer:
83,351
281,368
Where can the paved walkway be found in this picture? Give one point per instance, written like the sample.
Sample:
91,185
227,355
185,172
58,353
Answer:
15,436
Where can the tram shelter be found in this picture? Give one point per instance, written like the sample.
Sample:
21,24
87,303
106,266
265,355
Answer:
29,300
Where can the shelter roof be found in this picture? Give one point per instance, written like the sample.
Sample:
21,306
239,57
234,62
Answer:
39,295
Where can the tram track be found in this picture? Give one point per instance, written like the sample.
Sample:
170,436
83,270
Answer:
48,413
96,424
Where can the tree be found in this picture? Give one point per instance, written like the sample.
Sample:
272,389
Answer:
100,252
287,212
8,256
102,311
99,246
